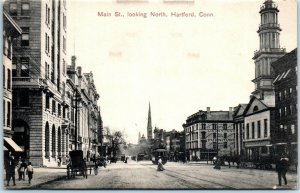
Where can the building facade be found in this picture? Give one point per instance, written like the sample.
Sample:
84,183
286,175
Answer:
11,31
208,134
44,117
239,127
284,139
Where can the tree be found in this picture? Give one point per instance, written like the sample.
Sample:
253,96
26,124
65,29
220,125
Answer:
117,141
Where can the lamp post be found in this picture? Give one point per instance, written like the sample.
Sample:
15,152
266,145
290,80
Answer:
77,98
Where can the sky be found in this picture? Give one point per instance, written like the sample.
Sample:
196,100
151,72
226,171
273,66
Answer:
179,65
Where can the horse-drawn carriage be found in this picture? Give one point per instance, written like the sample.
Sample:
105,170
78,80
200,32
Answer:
77,165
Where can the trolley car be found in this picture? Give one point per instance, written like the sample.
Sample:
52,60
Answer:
162,153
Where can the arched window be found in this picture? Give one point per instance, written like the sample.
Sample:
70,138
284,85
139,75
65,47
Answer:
255,108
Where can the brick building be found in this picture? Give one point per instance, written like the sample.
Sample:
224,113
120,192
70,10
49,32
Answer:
284,138
209,133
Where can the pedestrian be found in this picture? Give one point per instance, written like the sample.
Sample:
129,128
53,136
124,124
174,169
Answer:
19,167
29,172
59,161
160,166
21,170
218,164
10,168
281,168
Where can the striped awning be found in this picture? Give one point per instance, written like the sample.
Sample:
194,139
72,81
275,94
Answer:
10,144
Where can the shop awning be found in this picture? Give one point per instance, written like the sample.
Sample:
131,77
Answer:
10,144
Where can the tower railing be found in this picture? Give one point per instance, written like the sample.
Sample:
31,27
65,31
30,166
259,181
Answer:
269,6
268,50
269,25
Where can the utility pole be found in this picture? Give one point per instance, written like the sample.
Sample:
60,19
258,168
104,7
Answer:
217,140
76,99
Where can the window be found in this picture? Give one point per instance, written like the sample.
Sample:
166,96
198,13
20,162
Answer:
253,128
48,18
284,94
8,114
225,126
4,112
14,66
203,144
25,67
25,36
214,135
47,102
64,66
214,126
293,129
265,127
279,96
64,112
46,70
279,111
203,135
64,44
25,9
3,76
225,145
225,135
53,106
59,110
46,43
284,111
8,79
290,91
215,145
247,130
258,129
255,108
13,9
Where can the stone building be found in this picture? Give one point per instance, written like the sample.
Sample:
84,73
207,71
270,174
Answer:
39,64
11,31
284,138
209,133
174,144
44,116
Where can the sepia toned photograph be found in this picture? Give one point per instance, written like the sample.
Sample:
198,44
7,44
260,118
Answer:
149,95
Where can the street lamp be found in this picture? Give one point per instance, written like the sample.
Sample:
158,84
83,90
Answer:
77,99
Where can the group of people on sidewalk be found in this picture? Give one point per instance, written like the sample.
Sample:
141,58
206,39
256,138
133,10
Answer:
282,166
22,169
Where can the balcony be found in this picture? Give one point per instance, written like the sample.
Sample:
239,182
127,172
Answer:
27,82
268,26
269,5
257,53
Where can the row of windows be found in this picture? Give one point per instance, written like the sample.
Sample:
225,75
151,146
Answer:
13,9
282,95
22,68
61,111
257,130
204,126
194,145
6,113
288,110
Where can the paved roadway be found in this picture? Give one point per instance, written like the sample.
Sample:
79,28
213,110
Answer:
143,175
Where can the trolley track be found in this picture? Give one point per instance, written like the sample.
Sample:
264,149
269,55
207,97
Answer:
194,182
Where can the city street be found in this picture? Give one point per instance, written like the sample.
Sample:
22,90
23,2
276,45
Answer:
143,175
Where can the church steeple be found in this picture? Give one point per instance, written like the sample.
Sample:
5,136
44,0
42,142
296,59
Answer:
149,125
269,51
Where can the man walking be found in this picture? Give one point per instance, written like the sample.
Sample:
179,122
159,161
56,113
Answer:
10,168
281,168
29,172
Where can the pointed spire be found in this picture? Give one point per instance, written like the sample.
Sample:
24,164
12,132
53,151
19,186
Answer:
149,125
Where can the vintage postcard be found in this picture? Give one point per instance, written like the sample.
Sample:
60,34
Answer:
150,94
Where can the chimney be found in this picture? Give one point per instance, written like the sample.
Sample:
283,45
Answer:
208,109
230,109
73,59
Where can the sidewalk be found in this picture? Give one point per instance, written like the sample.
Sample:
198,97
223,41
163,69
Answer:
40,176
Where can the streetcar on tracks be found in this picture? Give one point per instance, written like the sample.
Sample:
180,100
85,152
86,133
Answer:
162,153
